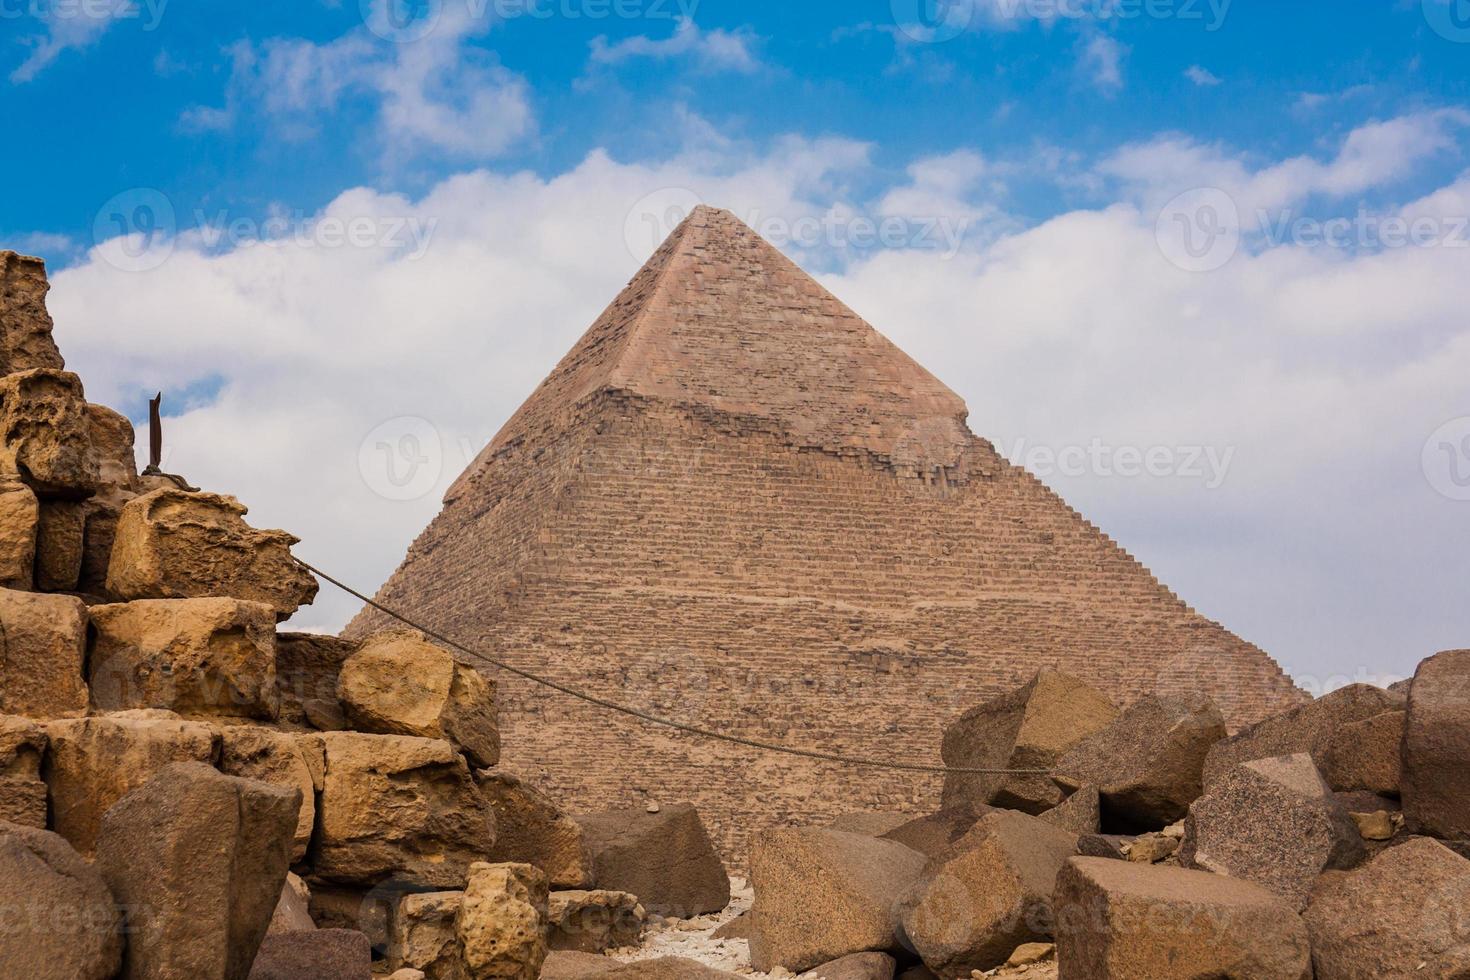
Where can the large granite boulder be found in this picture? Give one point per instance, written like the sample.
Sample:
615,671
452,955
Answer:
989,893
401,808
61,922
293,761
822,894
422,935
197,858
43,644
858,966
25,326
1305,728
1081,813
1365,755
1402,915
45,438
307,666
1028,728
874,823
502,921
594,921
1116,920
91,763
1147,763
20,518
665,858
177,544
933,834
1273,822
325,954
1436,749
213,657
22,791
531,829
398,683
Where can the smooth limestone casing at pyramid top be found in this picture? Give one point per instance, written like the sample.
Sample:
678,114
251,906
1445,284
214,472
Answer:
737,504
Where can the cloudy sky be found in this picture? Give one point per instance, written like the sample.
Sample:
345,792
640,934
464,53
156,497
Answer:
1202,265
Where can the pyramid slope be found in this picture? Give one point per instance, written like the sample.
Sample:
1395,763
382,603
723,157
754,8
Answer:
677,541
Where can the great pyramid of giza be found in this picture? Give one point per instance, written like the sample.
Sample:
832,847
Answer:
736,503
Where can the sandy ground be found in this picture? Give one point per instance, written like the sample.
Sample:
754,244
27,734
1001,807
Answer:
694,939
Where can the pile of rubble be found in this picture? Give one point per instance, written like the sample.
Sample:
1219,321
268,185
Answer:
187,793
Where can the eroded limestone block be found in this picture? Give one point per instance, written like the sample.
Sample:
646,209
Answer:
502,921
1117,920
42,645
423,937
401,808
174,544
1028,728
665,858
531,829
198,859
22,792
398,683
91,763
45,440
20,517
307,667
823,894
193,656
25,326
59,545
594,921
61,922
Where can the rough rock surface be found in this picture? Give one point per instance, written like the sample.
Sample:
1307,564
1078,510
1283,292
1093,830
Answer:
1147,763
212,657
198,859
42,646
1273,822
173,544
531,829
326,954
594,921
293,908
22,791
307,665
1436,776
20,516
1399,916
933,834
1306,728
822,894
422,935
989,893
45,439
293,761
60,922
872,823
665,858
398,683
59,535
91,763
1080,813
858,966
502,921
1028,728
25,326
394,806
1365,755
1121,921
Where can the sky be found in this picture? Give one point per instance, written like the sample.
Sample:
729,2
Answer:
1203,266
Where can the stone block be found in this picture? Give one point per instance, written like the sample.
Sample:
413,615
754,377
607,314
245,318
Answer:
20,517
1436,750
307,665
43,641
594,921
22,791
60,922
422,936
665,858
1365,755
59,535
292,761
45,440
502,921
25,326
326,954
531,829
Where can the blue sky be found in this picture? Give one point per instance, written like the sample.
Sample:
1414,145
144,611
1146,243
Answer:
329,228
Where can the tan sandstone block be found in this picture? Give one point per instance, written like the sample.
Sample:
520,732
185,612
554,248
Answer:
45,440
20,514
502,921
194,656
42,645
594,921
22,792
25,326
173,544
112,437
423,936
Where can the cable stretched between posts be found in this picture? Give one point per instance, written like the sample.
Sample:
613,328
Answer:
655,719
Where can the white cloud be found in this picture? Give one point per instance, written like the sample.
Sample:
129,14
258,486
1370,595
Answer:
1322,372
1101,61
1202,77
439,93
716,50
76,26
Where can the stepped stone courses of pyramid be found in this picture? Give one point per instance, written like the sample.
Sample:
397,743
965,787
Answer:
735,503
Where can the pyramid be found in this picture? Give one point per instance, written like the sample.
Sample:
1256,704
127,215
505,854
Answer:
736,504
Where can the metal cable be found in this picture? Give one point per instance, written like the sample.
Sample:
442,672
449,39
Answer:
655,719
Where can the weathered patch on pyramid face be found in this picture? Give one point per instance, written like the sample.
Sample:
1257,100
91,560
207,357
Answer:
736,504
